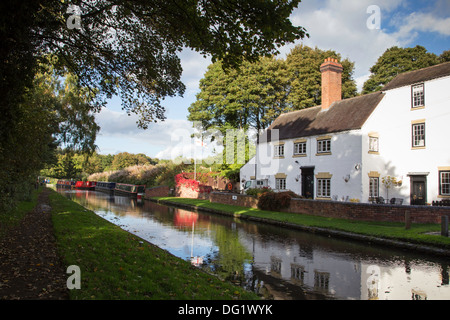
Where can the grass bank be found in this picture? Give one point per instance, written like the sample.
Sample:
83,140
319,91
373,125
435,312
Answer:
417,234
13,217
115,264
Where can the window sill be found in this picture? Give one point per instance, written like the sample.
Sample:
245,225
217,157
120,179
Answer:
417,108
323,198
279,157
298,155
373,152
441,196
417,148
323,154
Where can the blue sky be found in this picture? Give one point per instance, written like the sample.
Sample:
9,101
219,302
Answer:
340,25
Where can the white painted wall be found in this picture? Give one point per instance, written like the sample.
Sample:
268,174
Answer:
345,154
392,120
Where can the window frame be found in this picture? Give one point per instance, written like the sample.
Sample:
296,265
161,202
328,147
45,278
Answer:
419,97
371,144
297,148
280,182
323,188
414,136
320,146
441,172
277,149
374,191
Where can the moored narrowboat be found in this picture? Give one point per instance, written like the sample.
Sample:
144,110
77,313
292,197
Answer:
65,184
103,186
130,190
85,185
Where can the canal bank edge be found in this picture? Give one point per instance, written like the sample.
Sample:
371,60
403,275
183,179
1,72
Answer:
427,249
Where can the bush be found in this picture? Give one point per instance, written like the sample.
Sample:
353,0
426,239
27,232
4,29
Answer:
268,201
274,201
257,191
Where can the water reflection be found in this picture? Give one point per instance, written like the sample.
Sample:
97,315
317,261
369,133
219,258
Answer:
283,263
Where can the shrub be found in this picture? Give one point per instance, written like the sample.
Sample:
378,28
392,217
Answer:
268,201
274,201
257,191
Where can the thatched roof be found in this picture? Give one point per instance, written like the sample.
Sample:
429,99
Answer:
421,75
348,114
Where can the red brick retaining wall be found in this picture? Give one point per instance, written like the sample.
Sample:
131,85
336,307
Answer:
238,199
162,191
346,210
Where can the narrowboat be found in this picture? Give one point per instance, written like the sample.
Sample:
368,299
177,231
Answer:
65,184
85,185
131,190
103,186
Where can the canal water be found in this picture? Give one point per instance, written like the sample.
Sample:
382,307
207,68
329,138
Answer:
276,262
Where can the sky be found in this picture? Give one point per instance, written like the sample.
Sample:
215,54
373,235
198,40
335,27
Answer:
360,30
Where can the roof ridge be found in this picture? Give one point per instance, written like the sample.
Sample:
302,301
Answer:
419,75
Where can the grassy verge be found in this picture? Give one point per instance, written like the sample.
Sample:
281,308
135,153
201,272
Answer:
389,230
12,218
115,264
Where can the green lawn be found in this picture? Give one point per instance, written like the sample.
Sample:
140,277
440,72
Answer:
390,230
115,264
13,217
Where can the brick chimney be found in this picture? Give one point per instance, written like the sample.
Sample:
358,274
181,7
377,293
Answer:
331,71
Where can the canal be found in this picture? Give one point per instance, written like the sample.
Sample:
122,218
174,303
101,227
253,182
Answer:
276,262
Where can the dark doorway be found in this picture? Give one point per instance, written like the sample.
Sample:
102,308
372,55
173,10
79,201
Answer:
418,190
308,182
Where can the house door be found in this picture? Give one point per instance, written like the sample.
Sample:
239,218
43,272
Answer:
308,182
418,190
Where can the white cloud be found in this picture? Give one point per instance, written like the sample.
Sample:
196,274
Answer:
342,26
194,66
422,22
168,139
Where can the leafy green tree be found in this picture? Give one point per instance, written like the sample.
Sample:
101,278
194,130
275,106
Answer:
124,159
130,47
445,56
248,97
397,60
54,110
303,65
67,167
106,161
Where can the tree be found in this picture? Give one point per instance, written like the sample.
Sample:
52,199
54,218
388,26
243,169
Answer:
248,97
397,60
125,159
130,47
252,96
445,56
303,65
52,111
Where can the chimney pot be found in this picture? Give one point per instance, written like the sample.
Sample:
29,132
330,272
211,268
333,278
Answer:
331,71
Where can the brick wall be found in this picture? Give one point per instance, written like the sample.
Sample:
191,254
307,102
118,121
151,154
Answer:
239,199
346,210
162,191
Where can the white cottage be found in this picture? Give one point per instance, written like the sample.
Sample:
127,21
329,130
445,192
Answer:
345,149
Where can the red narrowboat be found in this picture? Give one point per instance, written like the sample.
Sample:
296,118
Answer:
85,185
